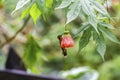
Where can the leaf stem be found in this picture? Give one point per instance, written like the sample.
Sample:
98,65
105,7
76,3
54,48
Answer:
14,36
66,29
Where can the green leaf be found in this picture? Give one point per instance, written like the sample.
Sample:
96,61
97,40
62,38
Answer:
92,20
84,39
81,29
109,34
24,13
73,12
35,12
87,8
31,50
100,8
49,3
104,19
64,4
89,11
82,15
20,4
41,3
101,46
106,25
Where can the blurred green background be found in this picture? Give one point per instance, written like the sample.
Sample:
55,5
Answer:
48,57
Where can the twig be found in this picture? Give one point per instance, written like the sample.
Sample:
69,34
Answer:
12,38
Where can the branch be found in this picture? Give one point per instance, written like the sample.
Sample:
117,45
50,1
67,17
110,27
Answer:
12,38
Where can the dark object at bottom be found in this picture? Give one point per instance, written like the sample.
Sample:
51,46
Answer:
14,61
21,75
15,69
